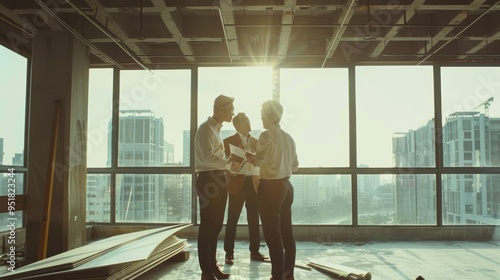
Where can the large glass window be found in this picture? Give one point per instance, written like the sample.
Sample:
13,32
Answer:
13,81
154,118
395,116
153,198
471,199
399,199
322,199
316,114
99,117
394,128
11,185
98,198
471,116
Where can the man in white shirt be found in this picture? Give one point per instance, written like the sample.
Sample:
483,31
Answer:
277,158
210,164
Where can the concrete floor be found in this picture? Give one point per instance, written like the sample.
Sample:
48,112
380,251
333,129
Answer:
454,260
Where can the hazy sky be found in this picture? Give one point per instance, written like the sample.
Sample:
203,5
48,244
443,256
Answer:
389,100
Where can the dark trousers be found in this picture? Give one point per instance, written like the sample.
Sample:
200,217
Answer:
248,196
275,205
212,196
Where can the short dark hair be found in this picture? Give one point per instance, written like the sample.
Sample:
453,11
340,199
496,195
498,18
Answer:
222,100
272,108
237,120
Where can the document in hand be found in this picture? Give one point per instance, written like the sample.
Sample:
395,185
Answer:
240,165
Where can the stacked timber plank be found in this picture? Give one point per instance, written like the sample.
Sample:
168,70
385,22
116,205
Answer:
124,256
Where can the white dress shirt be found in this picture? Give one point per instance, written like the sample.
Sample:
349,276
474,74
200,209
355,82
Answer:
208,147
248,169
276,155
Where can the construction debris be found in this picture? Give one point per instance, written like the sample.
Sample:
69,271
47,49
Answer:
340,272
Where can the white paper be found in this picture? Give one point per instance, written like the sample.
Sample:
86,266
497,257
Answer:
239,164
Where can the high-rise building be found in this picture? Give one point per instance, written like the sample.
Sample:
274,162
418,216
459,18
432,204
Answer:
18,159
141,197
470,139
140,143
98,198
414,194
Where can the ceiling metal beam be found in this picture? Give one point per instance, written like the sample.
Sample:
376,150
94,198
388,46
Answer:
111,36
110,25
286,29
481,45
344,39
99,53
446,30
174,26
230,36
402,20
346,17
458,34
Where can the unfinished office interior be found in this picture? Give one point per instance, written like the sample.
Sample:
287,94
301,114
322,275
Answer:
394,106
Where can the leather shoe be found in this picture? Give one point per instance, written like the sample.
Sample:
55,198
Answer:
258,257
207,276
219,274
229,259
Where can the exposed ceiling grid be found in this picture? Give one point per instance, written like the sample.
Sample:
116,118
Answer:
228,23
403,18
286,28
310,33
174,27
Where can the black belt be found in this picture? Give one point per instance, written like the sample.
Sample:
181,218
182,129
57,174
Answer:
275,180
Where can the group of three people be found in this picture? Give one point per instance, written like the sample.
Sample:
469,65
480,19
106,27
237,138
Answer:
270,195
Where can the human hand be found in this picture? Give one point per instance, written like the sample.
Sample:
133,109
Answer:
250,156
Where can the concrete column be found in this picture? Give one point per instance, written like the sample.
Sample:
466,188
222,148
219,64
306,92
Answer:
60,71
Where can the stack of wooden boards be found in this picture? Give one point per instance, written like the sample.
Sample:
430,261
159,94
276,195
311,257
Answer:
124,256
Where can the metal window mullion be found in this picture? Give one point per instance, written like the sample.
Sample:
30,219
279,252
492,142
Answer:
114,141
438,144
353,162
